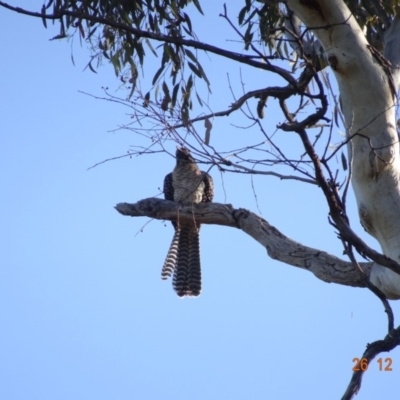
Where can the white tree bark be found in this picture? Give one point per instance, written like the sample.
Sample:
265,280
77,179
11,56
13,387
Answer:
369,110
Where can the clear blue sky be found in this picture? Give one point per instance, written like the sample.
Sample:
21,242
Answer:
83,311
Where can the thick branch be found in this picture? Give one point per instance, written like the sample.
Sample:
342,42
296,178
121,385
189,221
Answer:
324,266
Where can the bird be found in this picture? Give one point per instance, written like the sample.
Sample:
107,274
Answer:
186,185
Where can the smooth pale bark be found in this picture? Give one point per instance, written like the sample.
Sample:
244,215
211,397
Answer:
324,266
369,110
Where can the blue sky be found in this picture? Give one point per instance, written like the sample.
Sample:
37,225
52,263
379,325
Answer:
83,311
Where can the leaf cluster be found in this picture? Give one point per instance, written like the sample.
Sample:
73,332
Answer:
107,25
103,23
374,17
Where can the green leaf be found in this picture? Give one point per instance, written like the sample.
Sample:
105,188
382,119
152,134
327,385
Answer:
162,14
44,16
146,99
188,21
150,47
131,93
128,55
203,74
335,115
187,31
175,58
175,94
92,31
81,30
150,5
151,22
242,13
344,162
156,92
248,36
174,9
194,69
185,115
91,68
67,21
49,4
140,52
116,63
251,15
189,83
134,76
157,74
165,89
199,99
166,53
191,56
56,6
197,4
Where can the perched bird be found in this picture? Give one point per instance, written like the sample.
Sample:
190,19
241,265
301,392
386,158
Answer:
186,184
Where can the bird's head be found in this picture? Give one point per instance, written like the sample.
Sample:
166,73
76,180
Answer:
183,156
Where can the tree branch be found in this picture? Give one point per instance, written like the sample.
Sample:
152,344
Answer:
324,266
391,341
265,65
333,199
281,93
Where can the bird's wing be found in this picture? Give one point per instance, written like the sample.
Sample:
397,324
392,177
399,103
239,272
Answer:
208,193
168,188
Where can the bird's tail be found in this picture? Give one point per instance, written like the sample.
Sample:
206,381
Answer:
172,256
187,275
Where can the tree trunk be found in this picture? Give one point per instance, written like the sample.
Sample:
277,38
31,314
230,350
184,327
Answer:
368,104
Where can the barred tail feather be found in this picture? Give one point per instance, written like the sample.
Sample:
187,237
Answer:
172,256
179,280
194,271
187,274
